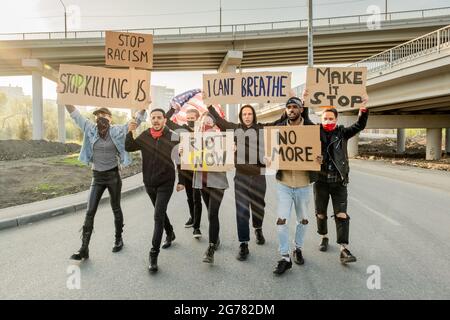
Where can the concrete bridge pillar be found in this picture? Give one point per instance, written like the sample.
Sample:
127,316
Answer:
38,110
401,140
352,146
447,140
434,144
61,124
229,65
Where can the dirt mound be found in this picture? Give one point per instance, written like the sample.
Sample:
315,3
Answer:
415,148
386,150
19,149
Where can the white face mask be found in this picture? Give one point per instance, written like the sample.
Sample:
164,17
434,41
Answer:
328,122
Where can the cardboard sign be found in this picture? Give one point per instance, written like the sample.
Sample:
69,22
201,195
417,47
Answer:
103,87
207,151
254,87
129,49
293,147
337,87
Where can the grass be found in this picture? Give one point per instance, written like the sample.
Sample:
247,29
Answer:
71,160
45,187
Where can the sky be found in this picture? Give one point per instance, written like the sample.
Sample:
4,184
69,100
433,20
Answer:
48,15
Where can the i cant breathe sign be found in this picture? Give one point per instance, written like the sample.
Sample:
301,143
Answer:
255,87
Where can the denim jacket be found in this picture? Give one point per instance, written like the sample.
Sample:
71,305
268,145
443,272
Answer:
117,132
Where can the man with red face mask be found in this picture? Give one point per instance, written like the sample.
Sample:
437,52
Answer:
333,177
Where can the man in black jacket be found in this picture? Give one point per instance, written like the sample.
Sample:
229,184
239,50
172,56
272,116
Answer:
333,178
249,181
158,170
185,177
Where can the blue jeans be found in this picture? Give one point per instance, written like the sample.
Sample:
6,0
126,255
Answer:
301,199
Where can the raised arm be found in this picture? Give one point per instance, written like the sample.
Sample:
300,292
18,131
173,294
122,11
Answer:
172,125
358,126
220,122
130,143
82,122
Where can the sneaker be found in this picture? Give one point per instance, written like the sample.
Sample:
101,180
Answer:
209,254
259,237
168,242
298,257
197,234
282,266
323,245
347,257
189,223
243,252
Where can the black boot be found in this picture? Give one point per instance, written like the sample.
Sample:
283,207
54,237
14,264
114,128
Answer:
153,267
168,242
83,253
118,244
243,252
323,244
298,256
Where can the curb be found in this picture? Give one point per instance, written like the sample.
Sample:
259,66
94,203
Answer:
38,216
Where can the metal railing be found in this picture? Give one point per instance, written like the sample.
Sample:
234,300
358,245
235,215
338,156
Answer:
432,42
429,43
238,28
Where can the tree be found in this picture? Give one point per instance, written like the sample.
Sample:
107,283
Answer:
23,131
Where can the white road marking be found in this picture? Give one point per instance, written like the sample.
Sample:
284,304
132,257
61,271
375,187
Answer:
388,219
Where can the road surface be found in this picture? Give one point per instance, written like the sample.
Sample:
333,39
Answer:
400,226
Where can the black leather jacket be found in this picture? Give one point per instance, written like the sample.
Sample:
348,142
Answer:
337,147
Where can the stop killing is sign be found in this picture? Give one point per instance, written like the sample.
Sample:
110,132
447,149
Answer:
103,87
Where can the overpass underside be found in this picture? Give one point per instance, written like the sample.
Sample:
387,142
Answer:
265,48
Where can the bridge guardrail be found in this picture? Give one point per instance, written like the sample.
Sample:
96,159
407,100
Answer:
429,43
237,28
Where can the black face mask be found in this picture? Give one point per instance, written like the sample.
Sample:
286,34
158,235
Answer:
191,124
103,127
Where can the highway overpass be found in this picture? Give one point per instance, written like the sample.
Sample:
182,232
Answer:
408,81
409,87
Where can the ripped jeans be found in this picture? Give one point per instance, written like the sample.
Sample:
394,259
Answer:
301,199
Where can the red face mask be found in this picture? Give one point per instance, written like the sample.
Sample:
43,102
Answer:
156,134
329,126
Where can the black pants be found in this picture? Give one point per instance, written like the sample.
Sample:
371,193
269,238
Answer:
102,180
213,198
249,195
160,197
194,200
338,193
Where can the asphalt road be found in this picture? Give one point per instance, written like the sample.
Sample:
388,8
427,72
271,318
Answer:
400,223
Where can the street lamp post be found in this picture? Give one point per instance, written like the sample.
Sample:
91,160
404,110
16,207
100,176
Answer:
386,9
310,35
220,16
65,19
